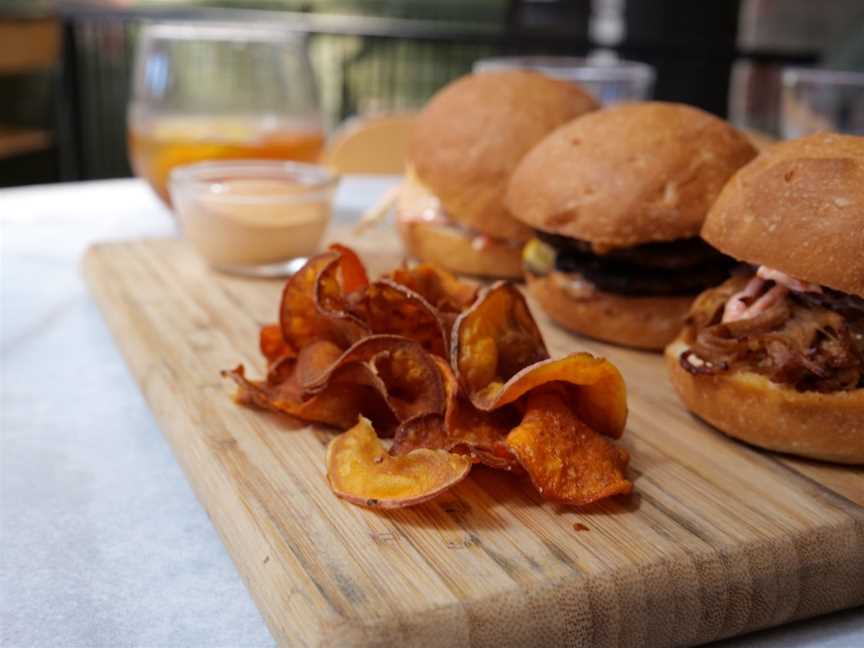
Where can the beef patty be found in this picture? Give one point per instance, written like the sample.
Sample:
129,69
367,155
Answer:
682,267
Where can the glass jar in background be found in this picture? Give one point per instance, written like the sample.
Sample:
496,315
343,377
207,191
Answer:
610,80
818,100
210,91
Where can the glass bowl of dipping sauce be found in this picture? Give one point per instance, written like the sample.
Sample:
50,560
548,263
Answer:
253,217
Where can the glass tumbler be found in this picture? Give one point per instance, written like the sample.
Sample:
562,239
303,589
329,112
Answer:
818,100
609,80
211,91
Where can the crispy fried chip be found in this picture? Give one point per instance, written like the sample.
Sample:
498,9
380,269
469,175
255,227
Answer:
338,405
315,361
317,299
566,459
482,434
413,384
392,308
447,294
444,291
361,471
282,370
400,369
423,431
299,319
354,276
462,429
337,305
272,344
479,435
386,377
493,340
499,356
458,378
594,387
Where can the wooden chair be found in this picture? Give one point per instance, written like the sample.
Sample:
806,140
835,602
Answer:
26,45
375,144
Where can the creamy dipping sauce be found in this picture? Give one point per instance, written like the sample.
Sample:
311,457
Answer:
253,221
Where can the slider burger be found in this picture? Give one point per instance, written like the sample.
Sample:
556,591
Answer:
616,199
465,144
776,357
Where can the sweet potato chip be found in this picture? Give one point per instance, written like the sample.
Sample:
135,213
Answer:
299,318
448,295
400,369
444,291
354,276
499,356
361,471
482,434
457,377
413,384
481,439
282,370
493,340
316,300
315,360
272,344
566,459
594,387
336,304
448,378
338,405
462,429
423,431
391,308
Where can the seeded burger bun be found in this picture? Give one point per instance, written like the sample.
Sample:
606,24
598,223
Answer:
798,208
464,147
625,177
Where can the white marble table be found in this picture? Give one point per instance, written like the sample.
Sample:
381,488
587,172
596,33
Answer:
102,542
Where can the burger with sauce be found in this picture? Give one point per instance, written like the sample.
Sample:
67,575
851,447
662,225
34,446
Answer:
615,201
776,357
465,144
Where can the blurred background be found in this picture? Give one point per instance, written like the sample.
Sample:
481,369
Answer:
65,66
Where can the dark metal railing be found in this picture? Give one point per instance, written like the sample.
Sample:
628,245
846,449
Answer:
363,63
371,62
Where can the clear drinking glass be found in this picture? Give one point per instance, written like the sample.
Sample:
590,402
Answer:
209,91
818,100
609,80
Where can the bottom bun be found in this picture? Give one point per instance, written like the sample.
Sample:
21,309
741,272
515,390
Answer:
640,322
751,408
453,249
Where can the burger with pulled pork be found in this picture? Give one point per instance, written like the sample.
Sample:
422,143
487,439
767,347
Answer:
775,357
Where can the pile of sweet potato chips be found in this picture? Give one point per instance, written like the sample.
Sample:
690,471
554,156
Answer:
454,375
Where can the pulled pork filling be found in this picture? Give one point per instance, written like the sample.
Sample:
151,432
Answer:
671,268
808,337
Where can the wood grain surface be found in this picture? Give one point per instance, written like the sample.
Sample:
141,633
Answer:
719,538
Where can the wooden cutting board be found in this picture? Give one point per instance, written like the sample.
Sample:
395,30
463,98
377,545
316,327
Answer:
718,540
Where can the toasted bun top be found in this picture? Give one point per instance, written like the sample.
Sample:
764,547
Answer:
629,174
798,208
472,134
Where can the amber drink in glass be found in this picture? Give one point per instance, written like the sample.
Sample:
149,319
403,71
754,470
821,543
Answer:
212,91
